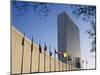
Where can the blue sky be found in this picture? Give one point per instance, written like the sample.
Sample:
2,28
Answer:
46,31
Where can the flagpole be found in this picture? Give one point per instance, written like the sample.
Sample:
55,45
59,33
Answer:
62,63
39,62
86,64
55,62
22,53
50,58
31,56
66,63
55,59
22,60
45,49
31,63
71,64
59,64
44,61
82,64
50,63
39,57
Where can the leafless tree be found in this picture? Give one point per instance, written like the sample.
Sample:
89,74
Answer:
88,14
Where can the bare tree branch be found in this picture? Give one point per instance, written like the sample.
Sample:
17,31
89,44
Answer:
88,14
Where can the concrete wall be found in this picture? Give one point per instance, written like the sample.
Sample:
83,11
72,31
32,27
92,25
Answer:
16,56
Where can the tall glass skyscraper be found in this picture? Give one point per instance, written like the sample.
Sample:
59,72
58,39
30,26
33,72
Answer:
68,36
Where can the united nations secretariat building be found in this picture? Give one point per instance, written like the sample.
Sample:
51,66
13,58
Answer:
68,37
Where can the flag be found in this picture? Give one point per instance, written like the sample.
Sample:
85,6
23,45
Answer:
86,62
45,47
50,53
23,39
55,51
77,61
60,53
69,58
40,50
82,61
65,54
32,45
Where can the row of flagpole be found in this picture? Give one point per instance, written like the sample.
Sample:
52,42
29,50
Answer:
63,55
